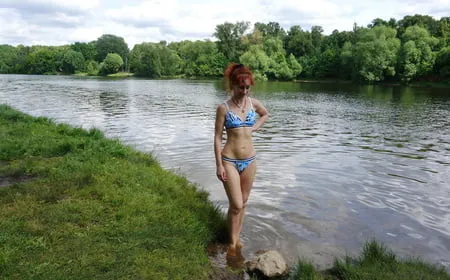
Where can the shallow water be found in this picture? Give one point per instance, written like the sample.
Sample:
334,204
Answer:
337,164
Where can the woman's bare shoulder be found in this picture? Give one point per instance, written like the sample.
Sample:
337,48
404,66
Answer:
255,101
221,108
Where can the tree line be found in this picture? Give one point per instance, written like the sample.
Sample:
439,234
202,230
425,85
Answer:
415,47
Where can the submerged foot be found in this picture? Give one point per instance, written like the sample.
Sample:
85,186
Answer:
235,259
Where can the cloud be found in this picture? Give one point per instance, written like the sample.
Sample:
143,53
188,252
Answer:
55,23
48,7
45,13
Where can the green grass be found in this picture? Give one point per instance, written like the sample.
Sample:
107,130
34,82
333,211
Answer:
375,263
85,207
121,74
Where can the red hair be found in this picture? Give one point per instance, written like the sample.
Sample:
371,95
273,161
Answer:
236,73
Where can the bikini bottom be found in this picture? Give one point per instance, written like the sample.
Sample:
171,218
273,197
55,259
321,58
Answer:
240,164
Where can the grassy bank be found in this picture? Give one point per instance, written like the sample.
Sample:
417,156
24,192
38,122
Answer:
74,205
375,263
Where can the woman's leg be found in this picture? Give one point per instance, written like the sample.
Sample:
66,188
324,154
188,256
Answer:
247,177
234,194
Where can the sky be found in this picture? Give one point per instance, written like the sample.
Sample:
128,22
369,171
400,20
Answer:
55,23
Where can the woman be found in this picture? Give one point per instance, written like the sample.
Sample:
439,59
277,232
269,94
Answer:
236,164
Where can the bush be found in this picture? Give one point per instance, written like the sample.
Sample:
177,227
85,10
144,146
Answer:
111,64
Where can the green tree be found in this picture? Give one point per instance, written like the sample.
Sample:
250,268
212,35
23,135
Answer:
336,39
200,58
88,50
8,55
154,60
279,67
170,61
442,64
107,44
375,54
316,38
416,56
444,28
298,42
257,60
229,39
424,21
294,65
112,64
92,67
271,29
72,61
42,60
20,61
328,64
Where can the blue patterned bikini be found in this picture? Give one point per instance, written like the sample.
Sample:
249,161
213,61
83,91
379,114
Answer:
234,121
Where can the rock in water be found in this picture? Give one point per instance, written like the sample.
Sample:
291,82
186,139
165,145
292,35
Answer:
269,264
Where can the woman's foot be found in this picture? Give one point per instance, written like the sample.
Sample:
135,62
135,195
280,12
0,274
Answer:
231,251
239,245
235,259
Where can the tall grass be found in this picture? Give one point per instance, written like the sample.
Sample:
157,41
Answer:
375,263
80,206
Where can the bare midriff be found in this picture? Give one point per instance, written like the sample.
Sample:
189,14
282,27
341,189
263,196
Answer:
239,143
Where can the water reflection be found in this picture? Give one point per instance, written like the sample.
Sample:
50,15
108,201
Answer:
337,163
113,104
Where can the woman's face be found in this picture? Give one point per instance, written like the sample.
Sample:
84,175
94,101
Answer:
242,88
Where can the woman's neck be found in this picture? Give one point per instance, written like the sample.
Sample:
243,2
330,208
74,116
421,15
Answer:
238,98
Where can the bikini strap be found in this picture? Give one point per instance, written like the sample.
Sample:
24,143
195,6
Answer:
226,104
251,104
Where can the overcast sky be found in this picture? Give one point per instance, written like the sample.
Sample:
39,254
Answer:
47,22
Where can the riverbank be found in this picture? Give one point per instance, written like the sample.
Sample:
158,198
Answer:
75,205
418,84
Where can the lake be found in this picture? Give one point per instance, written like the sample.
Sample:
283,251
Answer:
338,164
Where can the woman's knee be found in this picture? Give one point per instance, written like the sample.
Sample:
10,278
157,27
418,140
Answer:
244,202
236,209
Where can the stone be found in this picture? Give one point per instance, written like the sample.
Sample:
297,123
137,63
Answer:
269,264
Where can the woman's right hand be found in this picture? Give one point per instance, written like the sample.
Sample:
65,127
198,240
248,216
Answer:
221,174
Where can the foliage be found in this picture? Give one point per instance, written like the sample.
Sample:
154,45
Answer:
110,44
200,58
298,42
271,29
92,67
386,50
19,61
72,61
375,54
425,21
442,65
229,39
416,56
88,50
112,64
316,38
257,60
154,60
41,61
8,54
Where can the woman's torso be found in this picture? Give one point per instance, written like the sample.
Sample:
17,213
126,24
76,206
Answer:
238,126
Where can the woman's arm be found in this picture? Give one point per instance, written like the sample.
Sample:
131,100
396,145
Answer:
262,112
218,131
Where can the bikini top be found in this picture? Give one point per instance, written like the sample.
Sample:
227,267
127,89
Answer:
234,121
